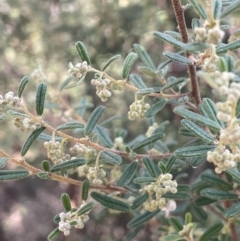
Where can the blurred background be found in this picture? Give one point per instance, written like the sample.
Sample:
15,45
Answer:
38,39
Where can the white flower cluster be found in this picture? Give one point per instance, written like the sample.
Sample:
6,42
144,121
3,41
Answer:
55,153
222,159
70,219
10,99
186,229
26,124
103,87
137,109
210,35
79,70
119,143
84,151
95,174
155,190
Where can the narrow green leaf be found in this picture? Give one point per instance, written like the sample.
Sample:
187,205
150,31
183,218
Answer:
197,131
85,189
196,47
43,175
218,194
173,83
45,137
210,111
66,202
139,201
177,196
155,108
31,138
128,174
174,34
148,91
70,125
169,39
148,141
234,210
197,161
202,201
234,173
183,188
193,151
13,174
198,212
231,8
185,132
217,9
46,166
149,164
195,23
22,85
110,202
137,81
144,56
175,223
217,181
196,118
231,63
68,165
82,51
226,47
40,97
15,113
211,232
141,219
93,119
3,161
65,83
177,57
128,64
170,163
162,167
54,234
103,136
173,237
110,61
199,9
147,71
111,157
141,180
78,82
86,208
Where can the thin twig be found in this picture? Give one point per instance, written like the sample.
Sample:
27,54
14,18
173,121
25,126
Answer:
179,13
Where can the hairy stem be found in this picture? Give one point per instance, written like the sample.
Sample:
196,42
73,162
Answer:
179,13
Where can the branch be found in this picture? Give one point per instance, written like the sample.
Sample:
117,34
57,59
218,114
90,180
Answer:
179,13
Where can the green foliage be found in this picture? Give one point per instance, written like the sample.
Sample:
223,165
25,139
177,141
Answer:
129,164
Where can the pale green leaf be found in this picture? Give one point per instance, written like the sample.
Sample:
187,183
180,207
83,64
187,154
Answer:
93,119
31,138
217,194
137,81
24,81
199,9
68,165
193,151
214,230
111,157
13,174
66,202
82,51
177,57
155,108
233,211
40,97
128,64
110,61
128,174
169,39
70,125
110,202
103,136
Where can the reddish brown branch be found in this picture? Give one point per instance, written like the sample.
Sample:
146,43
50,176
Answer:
179,13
